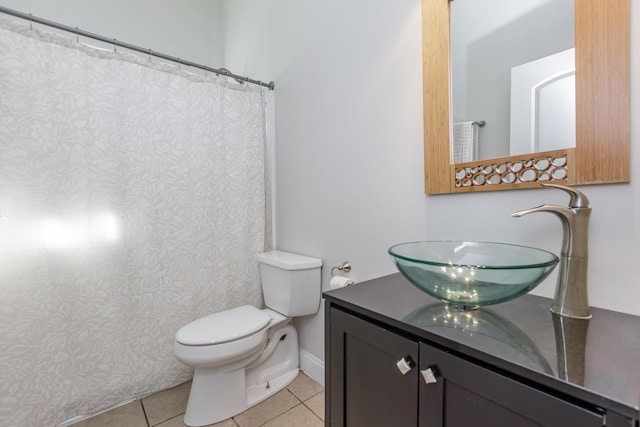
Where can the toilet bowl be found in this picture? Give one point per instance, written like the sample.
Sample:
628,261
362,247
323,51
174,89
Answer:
244,355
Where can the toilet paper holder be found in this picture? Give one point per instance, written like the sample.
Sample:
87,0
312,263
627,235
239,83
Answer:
345,266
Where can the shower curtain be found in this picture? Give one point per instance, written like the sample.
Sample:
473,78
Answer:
132,201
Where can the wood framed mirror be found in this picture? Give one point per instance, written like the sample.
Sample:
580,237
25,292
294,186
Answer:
602,151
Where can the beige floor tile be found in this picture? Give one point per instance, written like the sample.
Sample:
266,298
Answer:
177,422
227,423
300,416
304,387
173,422
267,410
166,404
130,415
166,409
316,404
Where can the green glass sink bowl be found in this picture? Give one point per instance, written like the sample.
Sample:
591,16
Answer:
472,274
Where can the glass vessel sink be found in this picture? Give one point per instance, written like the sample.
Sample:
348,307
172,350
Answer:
472,274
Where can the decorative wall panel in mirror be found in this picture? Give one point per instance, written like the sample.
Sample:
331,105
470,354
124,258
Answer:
602,122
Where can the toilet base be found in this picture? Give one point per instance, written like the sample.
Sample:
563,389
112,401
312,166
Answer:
217,395
258,393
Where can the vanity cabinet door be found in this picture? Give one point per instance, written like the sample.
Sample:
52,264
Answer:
368,387
465,394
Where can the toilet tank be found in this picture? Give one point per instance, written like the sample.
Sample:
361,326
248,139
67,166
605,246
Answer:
290,282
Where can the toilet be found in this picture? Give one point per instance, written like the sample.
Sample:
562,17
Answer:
243,355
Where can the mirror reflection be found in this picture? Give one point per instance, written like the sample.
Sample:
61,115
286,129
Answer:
513,77
483,329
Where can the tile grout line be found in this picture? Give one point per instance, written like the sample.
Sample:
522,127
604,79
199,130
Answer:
300,402
144,412
313,413
286,410
282,413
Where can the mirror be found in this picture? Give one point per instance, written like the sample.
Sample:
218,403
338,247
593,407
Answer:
504,57
602,122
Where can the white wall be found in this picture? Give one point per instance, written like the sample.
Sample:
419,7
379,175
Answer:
189,30
349,150
348,129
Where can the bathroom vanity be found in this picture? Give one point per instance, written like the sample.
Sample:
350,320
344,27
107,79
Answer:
397,357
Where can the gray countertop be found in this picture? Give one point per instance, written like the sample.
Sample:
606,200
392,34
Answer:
596,360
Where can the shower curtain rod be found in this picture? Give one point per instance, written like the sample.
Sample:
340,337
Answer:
117,43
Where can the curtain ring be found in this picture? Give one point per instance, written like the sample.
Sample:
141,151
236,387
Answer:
179,64
115,45
150,55
77,35
30,21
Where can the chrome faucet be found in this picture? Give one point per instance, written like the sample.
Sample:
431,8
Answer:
570,298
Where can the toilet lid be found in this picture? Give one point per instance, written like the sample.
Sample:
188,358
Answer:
228,325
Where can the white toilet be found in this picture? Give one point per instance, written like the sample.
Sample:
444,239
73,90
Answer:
244,355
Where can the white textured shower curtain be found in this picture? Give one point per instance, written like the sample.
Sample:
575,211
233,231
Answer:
132,201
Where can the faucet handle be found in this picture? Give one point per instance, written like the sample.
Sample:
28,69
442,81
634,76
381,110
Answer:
578,199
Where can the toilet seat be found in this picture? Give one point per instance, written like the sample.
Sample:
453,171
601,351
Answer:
223,327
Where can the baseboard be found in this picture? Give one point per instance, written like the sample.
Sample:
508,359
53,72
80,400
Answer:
312,366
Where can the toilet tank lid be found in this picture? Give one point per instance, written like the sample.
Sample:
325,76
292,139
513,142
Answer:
288,261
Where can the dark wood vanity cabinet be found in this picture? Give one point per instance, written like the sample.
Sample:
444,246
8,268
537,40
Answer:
466,394
380,373
367,389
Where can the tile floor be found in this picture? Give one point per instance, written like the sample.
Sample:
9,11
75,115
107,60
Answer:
301,404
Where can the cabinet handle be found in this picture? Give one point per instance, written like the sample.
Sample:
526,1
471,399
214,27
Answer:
429,376
405,365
